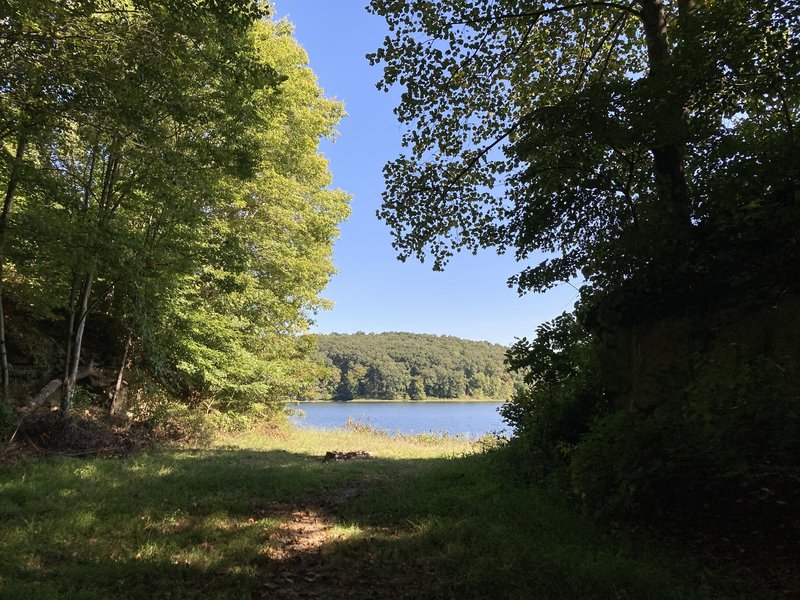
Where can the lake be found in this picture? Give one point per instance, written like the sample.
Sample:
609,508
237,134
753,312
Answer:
472,419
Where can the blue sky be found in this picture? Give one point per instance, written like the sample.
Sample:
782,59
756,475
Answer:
373,291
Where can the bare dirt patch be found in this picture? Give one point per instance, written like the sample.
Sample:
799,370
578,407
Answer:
297,561
295,564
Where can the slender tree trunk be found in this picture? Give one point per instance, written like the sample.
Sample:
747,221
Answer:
8,203
76,342
70,324
118,387
668,155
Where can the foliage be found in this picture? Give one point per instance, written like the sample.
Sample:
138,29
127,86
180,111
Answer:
171,184
651,149
608,134
166,419
414,366
730,450
563,395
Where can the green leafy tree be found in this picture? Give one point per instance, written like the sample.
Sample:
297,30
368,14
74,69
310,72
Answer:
146,95
416,389
649,147
37,89
592,131
232,330
174,195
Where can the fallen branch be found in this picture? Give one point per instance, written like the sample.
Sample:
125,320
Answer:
46,392
336,455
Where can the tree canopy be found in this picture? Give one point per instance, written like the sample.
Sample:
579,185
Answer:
650,149
605,134
164,196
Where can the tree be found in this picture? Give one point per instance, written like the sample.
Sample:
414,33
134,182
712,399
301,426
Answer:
583,129
173,193
650,147
37,89
232,329
149,97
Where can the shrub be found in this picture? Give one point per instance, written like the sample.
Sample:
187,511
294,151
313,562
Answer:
563,394
231,421
732,440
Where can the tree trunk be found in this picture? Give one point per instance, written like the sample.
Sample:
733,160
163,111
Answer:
117,397
654,21
668,155
70,324
76,342
8,203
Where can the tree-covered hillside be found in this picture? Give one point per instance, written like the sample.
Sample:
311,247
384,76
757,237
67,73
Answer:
413,366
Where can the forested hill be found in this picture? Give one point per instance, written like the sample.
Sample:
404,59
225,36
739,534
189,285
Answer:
413,366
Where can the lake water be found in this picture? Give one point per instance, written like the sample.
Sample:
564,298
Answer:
472,419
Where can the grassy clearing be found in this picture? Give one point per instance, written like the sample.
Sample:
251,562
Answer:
429,519
381,444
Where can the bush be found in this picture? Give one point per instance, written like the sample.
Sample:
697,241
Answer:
563,394
731,441
194,420
176,422
236,421
727,436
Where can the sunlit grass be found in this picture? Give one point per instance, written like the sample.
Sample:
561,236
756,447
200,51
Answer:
432,514
316,442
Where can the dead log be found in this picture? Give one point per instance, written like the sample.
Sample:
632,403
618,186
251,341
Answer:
39,399
47,392
334,455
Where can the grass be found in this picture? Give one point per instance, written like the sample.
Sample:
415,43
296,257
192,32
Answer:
431,519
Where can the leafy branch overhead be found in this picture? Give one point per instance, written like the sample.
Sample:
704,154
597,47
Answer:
592,132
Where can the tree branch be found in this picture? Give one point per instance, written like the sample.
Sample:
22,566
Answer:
597,49
554,9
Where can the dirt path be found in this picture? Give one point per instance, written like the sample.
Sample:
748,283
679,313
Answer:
297,564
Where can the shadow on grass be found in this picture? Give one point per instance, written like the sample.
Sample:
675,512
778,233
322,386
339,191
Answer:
210,524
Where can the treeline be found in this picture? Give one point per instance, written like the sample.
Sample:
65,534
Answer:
412,366
165,207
